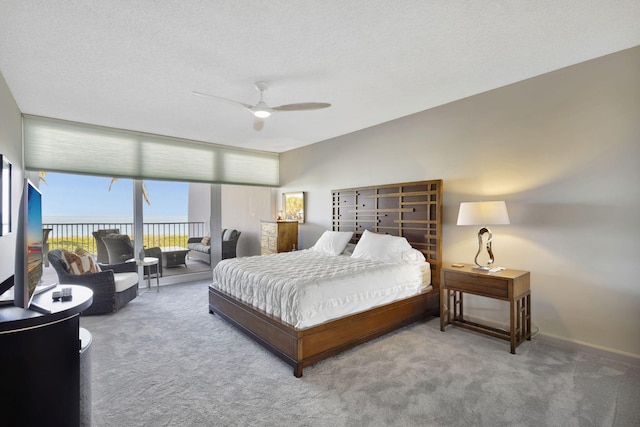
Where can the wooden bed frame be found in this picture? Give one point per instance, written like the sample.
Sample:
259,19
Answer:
412,210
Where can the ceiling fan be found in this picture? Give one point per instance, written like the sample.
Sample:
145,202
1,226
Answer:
261,110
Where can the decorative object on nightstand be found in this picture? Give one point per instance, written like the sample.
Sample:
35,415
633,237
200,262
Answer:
483,213
512,286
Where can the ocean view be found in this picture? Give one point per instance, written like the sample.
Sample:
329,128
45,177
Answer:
113,219
68,231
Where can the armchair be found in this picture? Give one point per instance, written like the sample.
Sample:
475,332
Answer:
120,249
112,288
103,256
45,244
198,250
229,243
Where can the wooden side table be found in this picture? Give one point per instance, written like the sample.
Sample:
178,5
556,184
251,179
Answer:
506,285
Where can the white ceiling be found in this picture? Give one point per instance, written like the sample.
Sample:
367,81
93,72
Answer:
132,64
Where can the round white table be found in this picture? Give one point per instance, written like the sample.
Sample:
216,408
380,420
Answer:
147,262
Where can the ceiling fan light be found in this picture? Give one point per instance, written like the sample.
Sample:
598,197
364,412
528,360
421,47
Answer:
263,114
261,109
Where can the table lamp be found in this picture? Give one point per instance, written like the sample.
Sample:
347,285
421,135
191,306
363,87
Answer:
483,213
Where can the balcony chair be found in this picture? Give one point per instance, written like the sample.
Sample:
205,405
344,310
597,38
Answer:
202,251
229,243
120,249
103,256
45,244
112,288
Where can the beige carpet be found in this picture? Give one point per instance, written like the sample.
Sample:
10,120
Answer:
163,360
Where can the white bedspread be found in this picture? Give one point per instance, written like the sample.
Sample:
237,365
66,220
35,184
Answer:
306,288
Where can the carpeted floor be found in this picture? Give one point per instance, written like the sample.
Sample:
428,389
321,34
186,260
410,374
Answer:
163,360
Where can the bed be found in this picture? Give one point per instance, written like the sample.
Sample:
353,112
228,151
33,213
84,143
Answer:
411,210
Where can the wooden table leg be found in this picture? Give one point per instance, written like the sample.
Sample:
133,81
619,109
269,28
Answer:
528,313
444,297
512,325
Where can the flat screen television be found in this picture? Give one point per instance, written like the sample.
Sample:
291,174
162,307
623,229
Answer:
29,261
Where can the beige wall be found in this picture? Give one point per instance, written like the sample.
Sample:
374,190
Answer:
562,149
11,147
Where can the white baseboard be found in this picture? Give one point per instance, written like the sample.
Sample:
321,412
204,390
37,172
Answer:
575,345
619,356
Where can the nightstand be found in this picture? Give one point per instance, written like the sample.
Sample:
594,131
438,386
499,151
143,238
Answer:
506,285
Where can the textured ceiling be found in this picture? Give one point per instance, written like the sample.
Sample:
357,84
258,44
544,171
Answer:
133,64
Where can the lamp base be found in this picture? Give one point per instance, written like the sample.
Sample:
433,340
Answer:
481,233
488,269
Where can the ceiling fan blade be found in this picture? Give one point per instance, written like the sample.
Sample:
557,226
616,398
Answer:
302,106
221,99
258,123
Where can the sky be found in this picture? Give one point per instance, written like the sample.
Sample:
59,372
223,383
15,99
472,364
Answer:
82,195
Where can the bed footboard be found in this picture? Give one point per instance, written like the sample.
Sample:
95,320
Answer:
306,347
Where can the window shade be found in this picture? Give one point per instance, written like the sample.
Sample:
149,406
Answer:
62,146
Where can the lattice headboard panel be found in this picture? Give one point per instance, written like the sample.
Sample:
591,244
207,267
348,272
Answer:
409,209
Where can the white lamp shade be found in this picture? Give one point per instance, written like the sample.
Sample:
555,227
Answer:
483,213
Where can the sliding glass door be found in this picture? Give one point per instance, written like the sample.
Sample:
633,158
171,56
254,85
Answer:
168,223
80,210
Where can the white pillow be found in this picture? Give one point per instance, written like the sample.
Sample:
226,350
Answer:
381,247
332,242
413,256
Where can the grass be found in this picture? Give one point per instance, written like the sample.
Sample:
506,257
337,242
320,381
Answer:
71,243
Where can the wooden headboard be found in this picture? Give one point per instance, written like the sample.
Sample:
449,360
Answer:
409,209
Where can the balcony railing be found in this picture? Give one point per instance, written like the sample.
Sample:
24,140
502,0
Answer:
72,236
